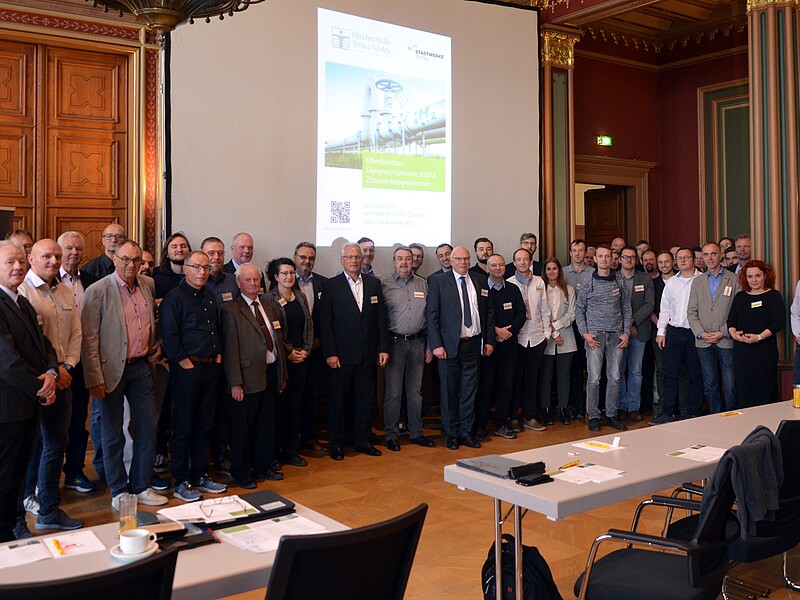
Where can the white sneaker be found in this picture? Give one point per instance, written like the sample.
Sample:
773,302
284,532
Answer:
31,504
151,498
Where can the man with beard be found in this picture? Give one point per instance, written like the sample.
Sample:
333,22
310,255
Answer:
148,264
649,263
113,236
169,272
483,250
221,284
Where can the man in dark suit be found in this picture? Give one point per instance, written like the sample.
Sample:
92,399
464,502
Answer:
310,284
28,376
72,245
242,251
354,336
255,368
460,323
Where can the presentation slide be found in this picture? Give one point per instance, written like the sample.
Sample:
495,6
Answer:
384,119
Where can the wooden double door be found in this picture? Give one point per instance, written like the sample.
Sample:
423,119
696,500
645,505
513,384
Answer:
65,122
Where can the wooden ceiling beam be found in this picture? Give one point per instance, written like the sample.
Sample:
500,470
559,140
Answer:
686,10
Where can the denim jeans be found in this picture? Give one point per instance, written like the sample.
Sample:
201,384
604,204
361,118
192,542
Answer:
713,361
609,350
137,386
44,466
78,436
404,369
630,386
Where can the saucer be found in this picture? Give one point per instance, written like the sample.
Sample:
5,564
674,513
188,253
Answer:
128,558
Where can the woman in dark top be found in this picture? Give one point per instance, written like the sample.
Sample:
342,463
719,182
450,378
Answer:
757,314
298,334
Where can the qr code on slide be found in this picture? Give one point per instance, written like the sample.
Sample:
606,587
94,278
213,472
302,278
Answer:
340,212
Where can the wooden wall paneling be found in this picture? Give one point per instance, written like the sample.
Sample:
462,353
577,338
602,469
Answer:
88,221
18,130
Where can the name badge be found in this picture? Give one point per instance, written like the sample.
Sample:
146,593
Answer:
373,299
484,292
260,291
728,291
276,324
419,294
67,306
615,292
539,288
158,301
506,305
319,295
756,304
578,286
227,296
39,320
638,288
282,301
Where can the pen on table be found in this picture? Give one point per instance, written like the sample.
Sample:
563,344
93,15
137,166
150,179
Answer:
57,546
574,463
214,535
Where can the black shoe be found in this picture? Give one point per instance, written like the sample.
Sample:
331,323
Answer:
479,434
635,415
594,424
563,416
422,441
275,465
547,417
467,441
373,439
612,422
268,476
393,445
622,415
245,484
295,460
335,452
368,449
452,442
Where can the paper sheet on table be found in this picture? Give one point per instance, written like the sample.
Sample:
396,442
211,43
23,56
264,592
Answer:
588,472
23,552
263,536
700,453
596,446
73,544
213,510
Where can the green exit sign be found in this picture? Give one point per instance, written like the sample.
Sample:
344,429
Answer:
605,140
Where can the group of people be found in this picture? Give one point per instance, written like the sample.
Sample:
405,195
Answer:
219,363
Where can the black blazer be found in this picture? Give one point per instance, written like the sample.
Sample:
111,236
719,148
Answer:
25,353
345,332
444,312
317,284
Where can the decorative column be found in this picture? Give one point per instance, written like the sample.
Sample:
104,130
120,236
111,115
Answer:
558,153
773,31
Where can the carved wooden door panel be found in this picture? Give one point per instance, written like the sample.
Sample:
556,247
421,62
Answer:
64,145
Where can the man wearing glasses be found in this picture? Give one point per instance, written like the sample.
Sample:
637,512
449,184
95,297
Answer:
676,339
193,345
354,337
311,284
119,346
639,288
113,236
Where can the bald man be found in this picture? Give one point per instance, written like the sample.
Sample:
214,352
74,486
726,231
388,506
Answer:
113,236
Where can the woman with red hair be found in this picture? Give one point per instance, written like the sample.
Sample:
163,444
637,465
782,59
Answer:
757,314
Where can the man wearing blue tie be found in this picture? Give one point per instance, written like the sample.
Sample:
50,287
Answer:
459,319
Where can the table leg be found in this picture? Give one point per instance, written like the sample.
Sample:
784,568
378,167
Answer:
498,547
518,515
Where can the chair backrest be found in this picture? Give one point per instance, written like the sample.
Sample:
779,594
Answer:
149,578
709,563
369,562
787,517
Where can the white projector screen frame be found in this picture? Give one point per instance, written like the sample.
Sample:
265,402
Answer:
243,124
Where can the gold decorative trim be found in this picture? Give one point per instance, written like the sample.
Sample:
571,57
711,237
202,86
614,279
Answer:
758,4
627,40
558,47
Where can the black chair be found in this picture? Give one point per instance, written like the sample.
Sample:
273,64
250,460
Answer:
369,562
664,568
774,537
149,578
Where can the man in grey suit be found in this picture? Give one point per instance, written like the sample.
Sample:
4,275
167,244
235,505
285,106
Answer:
119,346
28,378
460,324
255,368
710,302
639,288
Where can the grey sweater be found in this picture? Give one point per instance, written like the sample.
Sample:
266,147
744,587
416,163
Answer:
603,305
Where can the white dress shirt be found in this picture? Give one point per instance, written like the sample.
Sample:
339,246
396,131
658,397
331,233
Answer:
357,287
473,305
675,302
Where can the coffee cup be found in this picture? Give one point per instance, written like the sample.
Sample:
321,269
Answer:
135,541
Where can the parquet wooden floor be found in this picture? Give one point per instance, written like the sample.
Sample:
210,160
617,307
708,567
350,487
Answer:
458,530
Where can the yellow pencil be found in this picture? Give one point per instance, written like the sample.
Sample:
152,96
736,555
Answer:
58,547
574,463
